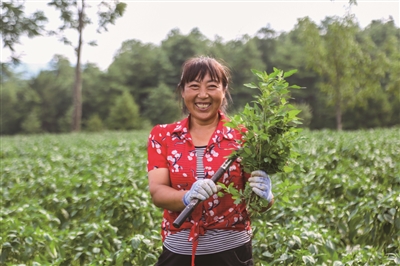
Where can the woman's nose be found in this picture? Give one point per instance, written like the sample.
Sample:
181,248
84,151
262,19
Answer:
203,93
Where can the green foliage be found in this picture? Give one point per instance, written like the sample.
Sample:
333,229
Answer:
270,123
271,135
15,24
193,44
31,123
97,96
266,41
305,115
124,115
367,101
65,121
77,200
351,178
344,63
17,101
94,123
109,13
82,199
73,16
54,89
247,56
289,54
139,68
166,112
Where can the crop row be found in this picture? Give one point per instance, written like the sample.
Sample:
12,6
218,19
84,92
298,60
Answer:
82,199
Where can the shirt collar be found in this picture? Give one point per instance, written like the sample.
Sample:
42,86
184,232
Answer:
182,127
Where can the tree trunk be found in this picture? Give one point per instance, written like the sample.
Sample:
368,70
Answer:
77,90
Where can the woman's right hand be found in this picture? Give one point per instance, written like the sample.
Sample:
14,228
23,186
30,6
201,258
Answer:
201,189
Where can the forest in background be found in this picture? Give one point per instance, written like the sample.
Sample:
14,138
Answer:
347,72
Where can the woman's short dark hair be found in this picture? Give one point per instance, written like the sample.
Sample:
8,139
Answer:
199,67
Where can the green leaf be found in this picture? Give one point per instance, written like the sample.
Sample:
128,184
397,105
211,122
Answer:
289,73
96,250
295,87
297,240
251,85
267,254
136,240
308,260
77,255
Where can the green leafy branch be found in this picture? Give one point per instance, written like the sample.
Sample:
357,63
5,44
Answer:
269,141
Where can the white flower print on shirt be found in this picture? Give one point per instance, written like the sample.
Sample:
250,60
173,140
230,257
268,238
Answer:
174,158
209,170
191,155
232,167
214,153
225,178
208,157
156,145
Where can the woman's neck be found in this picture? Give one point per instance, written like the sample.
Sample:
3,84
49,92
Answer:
199,125
202,131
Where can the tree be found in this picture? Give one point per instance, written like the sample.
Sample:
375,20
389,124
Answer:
162,106
94,123
138,68
349,74
14,24
18,100
266,40
289,54
97,98
53,87
179,48
381,39
73,14
31,123
246,57
124,115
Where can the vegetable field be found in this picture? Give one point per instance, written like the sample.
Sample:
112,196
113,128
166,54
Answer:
82,199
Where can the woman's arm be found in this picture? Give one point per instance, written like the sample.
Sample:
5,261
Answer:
162,194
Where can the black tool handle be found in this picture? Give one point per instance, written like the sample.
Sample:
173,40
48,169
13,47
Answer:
190,207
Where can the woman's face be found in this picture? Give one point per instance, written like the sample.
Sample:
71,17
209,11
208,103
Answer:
203,99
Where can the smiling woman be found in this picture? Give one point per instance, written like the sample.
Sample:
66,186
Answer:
182,159
214,74
204,89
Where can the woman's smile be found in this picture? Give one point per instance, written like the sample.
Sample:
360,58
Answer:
203,106
203,98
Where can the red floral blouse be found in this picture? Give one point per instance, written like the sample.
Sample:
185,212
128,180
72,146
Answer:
170,146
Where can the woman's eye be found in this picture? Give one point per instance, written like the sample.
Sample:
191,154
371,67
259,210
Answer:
212,87
194,87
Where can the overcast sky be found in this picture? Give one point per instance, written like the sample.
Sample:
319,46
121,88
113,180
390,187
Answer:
151,21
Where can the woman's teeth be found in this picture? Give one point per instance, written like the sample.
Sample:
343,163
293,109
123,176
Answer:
202,105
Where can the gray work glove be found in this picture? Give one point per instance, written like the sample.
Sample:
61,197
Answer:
201,189
261,184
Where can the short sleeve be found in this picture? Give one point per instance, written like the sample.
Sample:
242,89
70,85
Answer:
157,148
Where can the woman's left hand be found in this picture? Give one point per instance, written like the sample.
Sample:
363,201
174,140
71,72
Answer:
261,184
